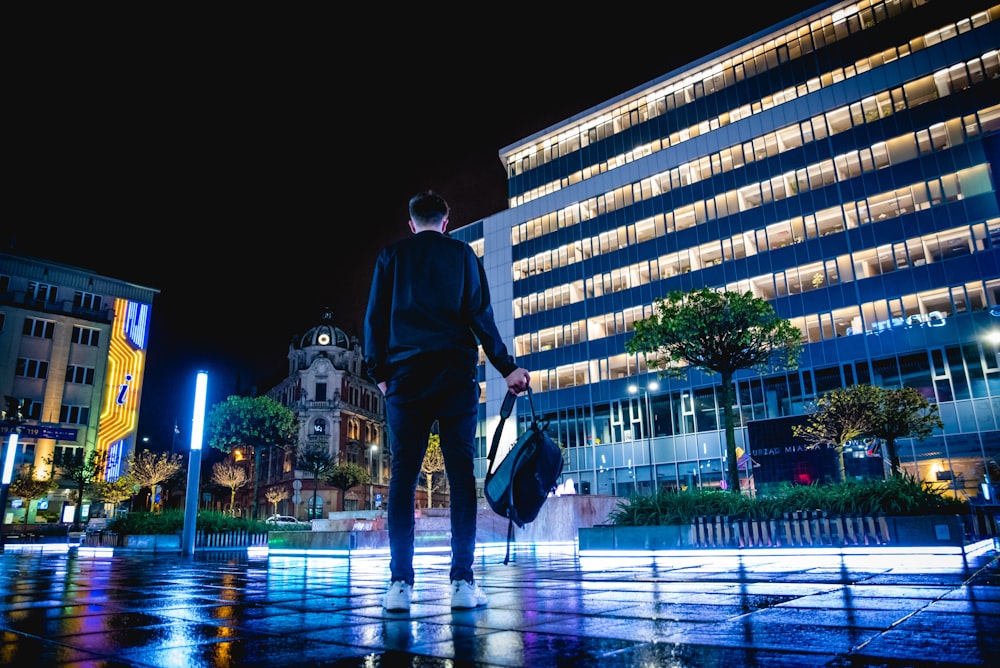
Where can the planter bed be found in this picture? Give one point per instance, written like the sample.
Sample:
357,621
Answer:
812,529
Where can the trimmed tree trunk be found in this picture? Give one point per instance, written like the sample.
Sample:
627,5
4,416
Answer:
890,450
729,420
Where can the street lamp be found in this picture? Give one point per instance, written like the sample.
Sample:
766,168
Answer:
371,475
194,463
647,424
8,473
992,337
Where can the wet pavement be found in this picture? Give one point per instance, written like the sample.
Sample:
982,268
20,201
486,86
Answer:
549,606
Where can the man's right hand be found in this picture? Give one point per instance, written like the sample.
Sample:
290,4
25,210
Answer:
518,380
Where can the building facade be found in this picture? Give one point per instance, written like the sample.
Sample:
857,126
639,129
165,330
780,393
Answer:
340,409
841,165
72,362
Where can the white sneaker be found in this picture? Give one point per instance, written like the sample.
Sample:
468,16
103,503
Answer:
397,597
466,595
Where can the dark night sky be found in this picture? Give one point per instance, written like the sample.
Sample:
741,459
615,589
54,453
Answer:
250,167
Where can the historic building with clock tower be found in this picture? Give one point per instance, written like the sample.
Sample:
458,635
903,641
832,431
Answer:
338,407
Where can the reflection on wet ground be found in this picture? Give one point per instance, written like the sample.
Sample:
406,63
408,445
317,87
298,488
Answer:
548,607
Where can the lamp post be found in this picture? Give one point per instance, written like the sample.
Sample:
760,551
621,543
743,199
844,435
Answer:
371,475
8,473
988,487
14,417
194,463
647,424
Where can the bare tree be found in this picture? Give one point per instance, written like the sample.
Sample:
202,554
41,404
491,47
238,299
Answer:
149,469
231,476
274,495
433,463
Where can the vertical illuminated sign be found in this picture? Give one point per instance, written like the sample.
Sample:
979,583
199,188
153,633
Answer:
126,365
113,468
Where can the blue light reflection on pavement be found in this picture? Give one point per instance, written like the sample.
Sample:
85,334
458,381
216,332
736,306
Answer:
551,605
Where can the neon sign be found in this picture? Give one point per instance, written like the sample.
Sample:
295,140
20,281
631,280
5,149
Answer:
123,385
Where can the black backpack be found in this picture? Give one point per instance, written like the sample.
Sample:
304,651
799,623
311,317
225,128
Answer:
526,476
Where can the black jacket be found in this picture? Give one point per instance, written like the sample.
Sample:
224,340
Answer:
429,308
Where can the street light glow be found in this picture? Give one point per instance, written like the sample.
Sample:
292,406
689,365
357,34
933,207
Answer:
647,425
371,470
652,387
198,423
194,464
8,460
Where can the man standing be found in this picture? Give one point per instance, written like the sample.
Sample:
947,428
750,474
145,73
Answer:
428,312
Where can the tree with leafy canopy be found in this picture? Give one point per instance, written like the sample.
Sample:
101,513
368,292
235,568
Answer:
868,411
232,477
904,413
840,416
274,496
716,332
82,471
314,457
121,489
346,476
251,422
29,487
149,469
433,463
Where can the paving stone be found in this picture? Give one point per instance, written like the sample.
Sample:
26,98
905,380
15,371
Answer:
548,606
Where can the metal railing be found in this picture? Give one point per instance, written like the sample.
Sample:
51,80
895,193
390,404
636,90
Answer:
203,540
818,528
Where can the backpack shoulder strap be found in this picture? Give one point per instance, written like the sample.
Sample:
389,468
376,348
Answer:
505,410
510,537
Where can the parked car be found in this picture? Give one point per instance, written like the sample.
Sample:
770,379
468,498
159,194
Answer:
286,520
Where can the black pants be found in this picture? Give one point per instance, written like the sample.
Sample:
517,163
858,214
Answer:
413,402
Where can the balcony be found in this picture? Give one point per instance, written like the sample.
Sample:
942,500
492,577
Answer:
61,307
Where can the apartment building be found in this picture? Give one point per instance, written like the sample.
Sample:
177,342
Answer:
841,165
72,359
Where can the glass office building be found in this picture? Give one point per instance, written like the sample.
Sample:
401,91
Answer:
840,165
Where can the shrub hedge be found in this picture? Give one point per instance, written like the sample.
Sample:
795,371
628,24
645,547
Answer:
172,521
898,495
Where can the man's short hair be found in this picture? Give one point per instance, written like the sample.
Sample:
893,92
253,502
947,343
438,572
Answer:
428,208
